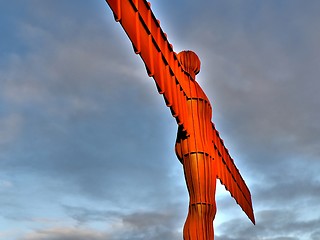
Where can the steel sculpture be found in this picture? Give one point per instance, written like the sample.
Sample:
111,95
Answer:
198,146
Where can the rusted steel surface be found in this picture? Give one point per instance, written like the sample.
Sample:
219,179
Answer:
199,146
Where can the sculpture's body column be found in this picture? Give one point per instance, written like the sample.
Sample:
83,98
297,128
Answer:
201,183
192,150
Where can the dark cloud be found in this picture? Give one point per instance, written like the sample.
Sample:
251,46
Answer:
273,225
83,215
136,225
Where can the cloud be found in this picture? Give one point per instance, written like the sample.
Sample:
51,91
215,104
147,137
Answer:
10,126
264,73
5,184
83,133
152,226
73,128
82,125
137,225
273,225
65,234
315,235
83,215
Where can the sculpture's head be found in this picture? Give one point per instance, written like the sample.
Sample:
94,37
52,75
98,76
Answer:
190,63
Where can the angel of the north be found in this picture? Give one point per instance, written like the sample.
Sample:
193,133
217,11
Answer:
198,146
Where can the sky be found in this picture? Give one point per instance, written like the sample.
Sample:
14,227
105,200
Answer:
87,143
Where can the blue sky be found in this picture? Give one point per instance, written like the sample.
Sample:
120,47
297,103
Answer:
87,144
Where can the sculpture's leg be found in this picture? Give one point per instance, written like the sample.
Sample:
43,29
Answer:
201,182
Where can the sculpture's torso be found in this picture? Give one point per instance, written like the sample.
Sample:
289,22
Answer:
200,133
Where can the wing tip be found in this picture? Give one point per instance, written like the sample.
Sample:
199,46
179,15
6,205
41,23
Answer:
253,220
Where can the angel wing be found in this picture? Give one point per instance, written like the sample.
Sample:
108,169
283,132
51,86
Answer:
150,42
230,177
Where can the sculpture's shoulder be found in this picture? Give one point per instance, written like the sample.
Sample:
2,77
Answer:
196,92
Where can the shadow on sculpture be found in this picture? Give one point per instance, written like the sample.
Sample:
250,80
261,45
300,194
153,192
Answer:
198,146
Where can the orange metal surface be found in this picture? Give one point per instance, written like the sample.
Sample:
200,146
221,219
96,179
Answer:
198,146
